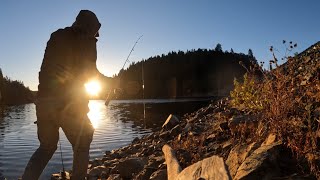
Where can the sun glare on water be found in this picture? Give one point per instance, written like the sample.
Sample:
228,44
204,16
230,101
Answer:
93,88
96,113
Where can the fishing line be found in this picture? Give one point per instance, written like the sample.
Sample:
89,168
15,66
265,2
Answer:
63,174
132,49
125,62
144,103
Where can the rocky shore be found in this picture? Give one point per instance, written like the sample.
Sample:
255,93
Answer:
211,132
273,133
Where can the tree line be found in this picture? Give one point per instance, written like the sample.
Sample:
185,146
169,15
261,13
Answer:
13,92
194,73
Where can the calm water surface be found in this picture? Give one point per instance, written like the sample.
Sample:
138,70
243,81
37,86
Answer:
116,125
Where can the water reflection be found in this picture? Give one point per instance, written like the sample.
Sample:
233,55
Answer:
96,113
115,126
151,114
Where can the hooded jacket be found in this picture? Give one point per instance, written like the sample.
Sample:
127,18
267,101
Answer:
70,59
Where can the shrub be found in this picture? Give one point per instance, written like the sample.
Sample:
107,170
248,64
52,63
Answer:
287,101
248,95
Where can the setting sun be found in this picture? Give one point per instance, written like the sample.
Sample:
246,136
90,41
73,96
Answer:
93,88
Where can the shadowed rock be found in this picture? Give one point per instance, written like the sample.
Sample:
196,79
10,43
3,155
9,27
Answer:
171,122
261,160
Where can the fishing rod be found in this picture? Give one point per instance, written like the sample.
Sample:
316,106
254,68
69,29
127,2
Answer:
132,49
144,103
125,62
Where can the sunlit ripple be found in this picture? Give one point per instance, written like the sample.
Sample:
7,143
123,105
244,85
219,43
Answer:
96,113
18,137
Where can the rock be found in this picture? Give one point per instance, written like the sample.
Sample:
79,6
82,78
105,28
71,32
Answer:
316,112
125,152
262,160
58,176
107,152
165,135
147,151
115,155
224,126
179,137
114,177
198,128
145,173
303,83
237,155
130,166
96,162
173,166
307,58
214,147
54,176
235,121
187,127
210,138
227,144
193,133
154,162
99,171
159,175
107,163
269,140
209,169
171,122
184,156
130,150
175,131
106,158
135,140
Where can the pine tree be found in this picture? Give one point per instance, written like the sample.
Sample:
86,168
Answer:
218,48
250,53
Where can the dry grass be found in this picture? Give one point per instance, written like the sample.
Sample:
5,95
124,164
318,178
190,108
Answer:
288,102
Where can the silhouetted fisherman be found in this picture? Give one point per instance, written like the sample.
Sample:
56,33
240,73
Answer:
69,61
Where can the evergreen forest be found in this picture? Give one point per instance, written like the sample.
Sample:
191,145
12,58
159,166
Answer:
13,92
191,74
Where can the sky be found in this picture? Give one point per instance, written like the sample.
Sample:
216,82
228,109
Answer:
166,25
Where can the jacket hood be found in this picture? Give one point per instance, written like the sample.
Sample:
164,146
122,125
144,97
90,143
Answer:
88,23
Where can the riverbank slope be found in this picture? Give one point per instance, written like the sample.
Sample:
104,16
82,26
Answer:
267,129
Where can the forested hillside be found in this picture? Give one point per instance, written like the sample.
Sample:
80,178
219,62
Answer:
13,92
195,73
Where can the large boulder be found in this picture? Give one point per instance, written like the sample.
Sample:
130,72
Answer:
262,160
173,166
210,168
237,155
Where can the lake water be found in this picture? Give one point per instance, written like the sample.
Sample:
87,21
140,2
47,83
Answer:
116,125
